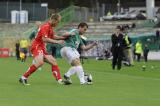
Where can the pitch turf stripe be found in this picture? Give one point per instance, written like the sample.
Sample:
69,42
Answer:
126,75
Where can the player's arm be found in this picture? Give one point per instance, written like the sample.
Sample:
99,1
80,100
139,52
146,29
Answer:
45,31
49,40
89,46
64,36
58,37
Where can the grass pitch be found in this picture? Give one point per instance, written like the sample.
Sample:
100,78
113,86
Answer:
130,86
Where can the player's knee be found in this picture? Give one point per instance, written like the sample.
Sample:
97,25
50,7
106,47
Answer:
76,62
53,62
40,63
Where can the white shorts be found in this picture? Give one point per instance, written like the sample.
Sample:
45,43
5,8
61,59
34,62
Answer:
69,53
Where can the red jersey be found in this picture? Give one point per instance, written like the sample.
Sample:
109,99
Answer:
45,30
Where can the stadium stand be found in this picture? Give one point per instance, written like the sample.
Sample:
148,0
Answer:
98,28
97,31
14,30
101,31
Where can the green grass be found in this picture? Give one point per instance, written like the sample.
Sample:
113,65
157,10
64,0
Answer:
128,87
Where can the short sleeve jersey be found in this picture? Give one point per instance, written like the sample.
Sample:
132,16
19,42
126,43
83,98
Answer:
74,41
45,30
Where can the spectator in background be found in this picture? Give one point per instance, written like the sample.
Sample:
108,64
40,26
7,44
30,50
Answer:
145,52
138,50
127,44
125,27
17,45
133,25
24,47
117,48
22,56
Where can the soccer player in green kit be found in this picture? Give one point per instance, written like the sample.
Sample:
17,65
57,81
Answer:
70,53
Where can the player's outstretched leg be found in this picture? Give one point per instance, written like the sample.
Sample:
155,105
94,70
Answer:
23,81
30,70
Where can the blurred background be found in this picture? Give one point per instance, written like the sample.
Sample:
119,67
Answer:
140,18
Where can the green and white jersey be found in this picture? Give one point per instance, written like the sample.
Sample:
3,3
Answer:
33,34
74,41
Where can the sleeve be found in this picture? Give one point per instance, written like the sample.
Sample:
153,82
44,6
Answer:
73,30
32,35
45,31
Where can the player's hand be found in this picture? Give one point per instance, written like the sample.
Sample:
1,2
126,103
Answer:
95,43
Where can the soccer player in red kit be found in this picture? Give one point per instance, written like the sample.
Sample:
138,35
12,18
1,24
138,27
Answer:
45,35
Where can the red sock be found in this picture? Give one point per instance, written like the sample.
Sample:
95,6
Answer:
56,72
30,70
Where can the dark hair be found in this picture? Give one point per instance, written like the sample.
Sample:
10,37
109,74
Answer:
82,24
55,16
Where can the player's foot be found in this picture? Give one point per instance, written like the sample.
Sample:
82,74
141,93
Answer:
63,82
60,81
23,81
87,83
68,80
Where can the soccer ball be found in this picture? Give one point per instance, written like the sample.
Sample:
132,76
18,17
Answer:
88,78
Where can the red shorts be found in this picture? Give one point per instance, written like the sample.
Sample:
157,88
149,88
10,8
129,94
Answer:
36,51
